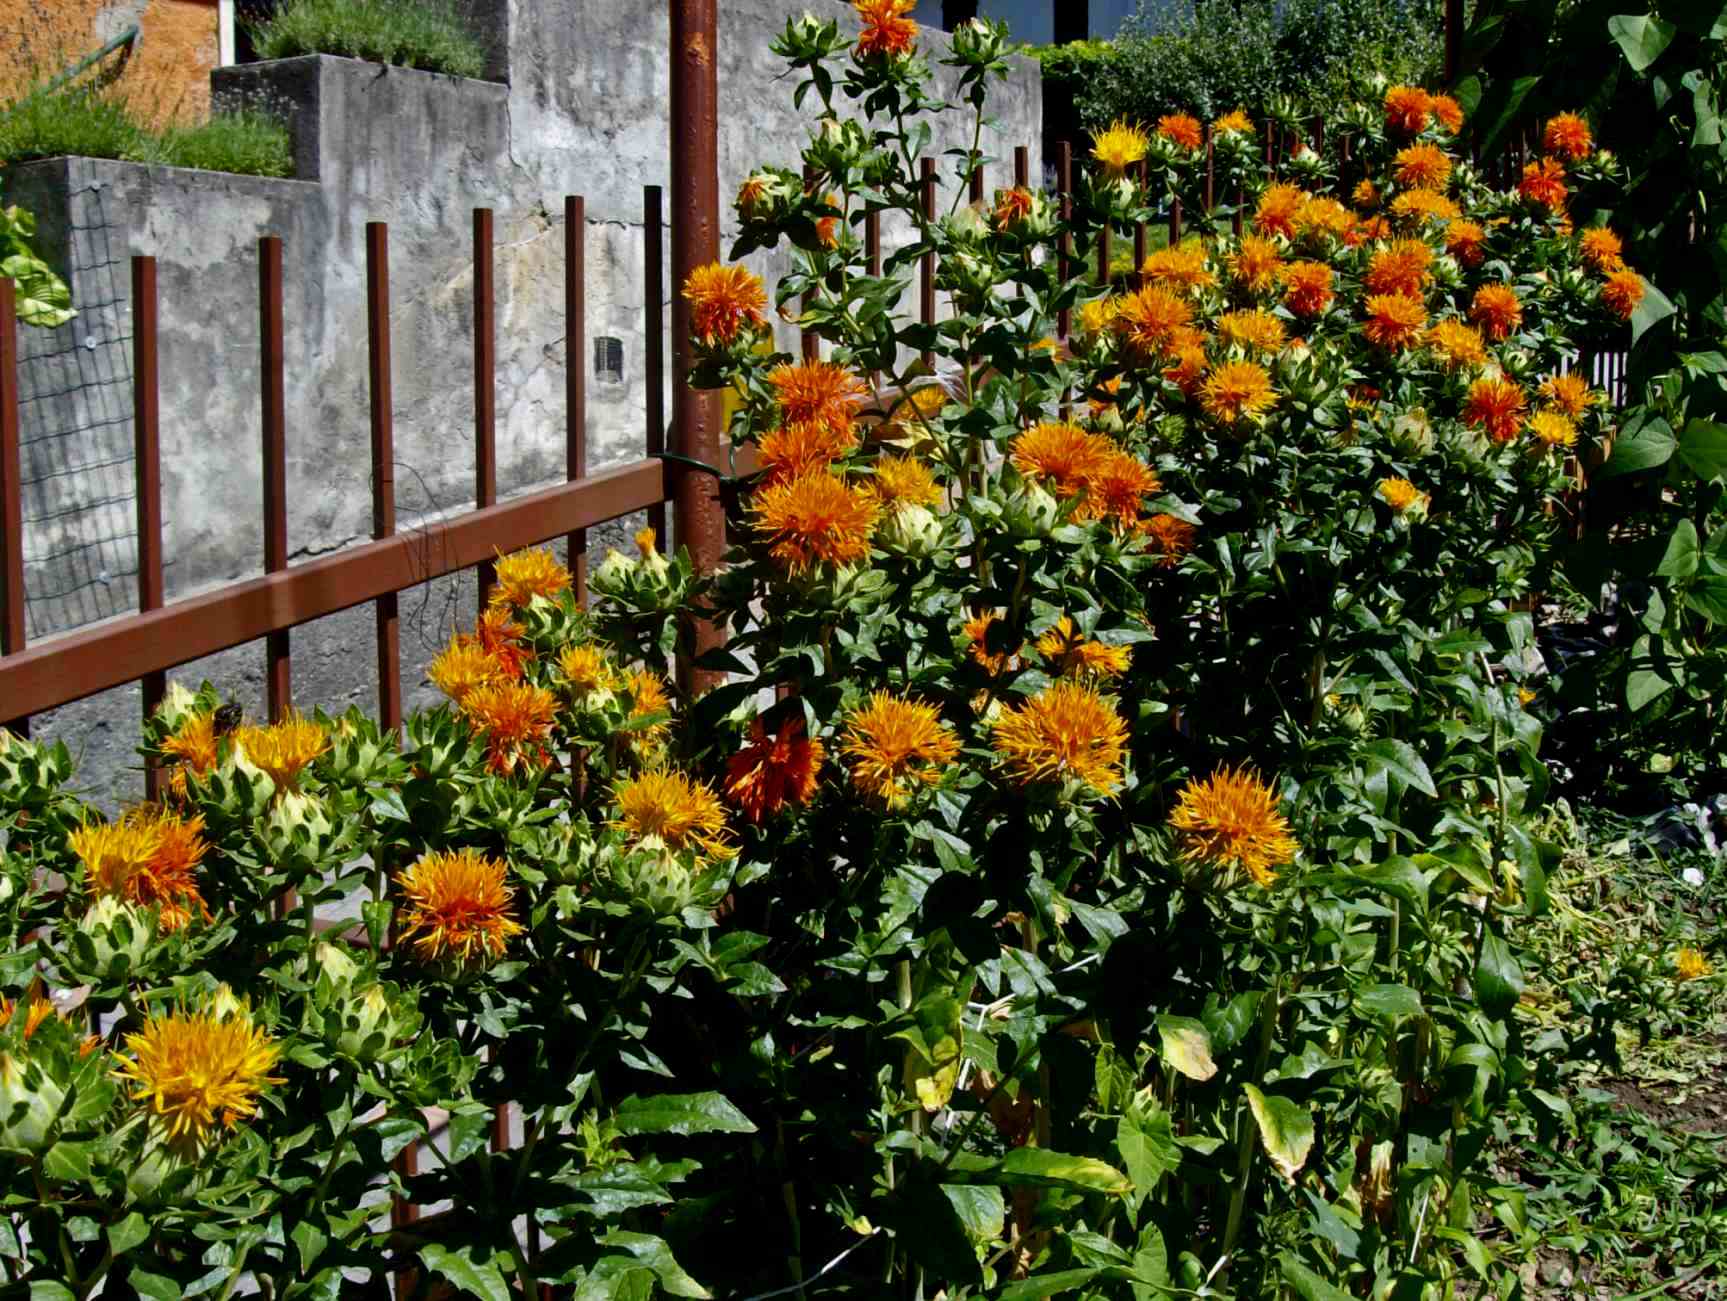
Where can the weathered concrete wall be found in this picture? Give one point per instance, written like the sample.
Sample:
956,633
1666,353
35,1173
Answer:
584,111
165,78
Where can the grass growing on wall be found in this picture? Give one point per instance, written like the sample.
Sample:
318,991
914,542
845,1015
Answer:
89,124
409,33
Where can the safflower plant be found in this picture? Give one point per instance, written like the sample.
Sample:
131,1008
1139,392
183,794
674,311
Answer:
1099,871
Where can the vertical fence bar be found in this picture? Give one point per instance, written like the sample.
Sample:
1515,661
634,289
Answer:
11,495
1064,255
1174,221
654,263
976,180
383,462
576,372
1104,253
278,673
147,461
1022,166
485,382
1142,174
699,516
926,264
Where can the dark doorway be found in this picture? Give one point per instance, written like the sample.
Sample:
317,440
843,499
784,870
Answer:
955,12
1072,20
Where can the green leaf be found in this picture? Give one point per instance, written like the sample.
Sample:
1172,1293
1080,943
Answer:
928,1224
1498,978
1679,559
1146,1139
1187,1046
310,1242
1641,37
1285,1128
1062,1280
680,1113
125,1234
1392,1002
931,1065
1651,674
1708,597
1228,1025
980,1208
1040,1167
1400,878
1654,308
482,1278
157,1287
1151,1264
1308,1285
1399,760
67,1161
1703,447
47,1290
657,1256
1642,447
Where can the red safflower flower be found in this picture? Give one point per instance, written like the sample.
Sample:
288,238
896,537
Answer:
1496,310
887,31
771,772
1181,129
1496,406
1407,109
1623,291
1543,184
1568,136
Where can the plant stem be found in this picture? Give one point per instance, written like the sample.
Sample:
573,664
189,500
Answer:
1244,1136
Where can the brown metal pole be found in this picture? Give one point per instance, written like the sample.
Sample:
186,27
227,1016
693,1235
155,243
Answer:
926,264
485,382
653,296
147,461
1139,236
977,178
383,463
696,414
576,373
11,495
1022,166
278,672
1064,187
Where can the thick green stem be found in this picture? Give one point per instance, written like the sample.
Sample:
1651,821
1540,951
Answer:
1244,1126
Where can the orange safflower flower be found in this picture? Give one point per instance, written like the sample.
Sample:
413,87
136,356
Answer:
1325,216
1553,428
816,392
1394,321
1181,129
1399,494
1119,147
1365,194
1234,122
1399,268
771,772
1495,405
1601,249
1231,819
1623,291
523,575
1189,368
1417,206
1307,288
588,670
887,31
797,449
904,480
665,808
896,745
199,1072
1274,214
1256,263
1407,109
1256,330
456,906
1012,206
1457,344
516,720
648,699
1060,456
191,750
1170,538
1447,111
828,228
148,858
976,634
282,750
1368,230
1236,390
460,667
1464,240
1422,167
1568,394
1065,732
1114,488
723,301
1543,184
814,519
1567,135
1496,310
1148,319
1181,266
503,639
1071,654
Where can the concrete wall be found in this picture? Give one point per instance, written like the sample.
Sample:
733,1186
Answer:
583,111
166,76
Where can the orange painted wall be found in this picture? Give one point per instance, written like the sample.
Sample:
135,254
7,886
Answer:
165,79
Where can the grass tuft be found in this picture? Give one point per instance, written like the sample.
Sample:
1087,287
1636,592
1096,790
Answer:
424,34
89,124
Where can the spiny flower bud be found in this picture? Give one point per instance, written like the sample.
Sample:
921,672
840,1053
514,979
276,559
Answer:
911,531
111,940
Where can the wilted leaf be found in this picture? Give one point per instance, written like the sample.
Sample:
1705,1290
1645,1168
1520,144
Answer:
1285,1129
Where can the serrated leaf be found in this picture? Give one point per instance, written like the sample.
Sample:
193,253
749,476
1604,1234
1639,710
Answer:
680,1113
657,1256
1145,1137
1399,760
1393,1002
482,1277
1285,1130
1187,1046
127,1233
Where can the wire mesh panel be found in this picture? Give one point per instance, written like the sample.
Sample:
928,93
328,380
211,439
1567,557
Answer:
75,428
